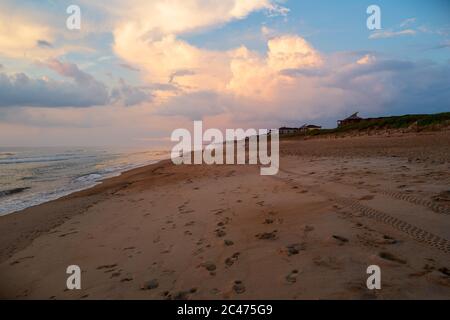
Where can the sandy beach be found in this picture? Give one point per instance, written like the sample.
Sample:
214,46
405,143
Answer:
336,206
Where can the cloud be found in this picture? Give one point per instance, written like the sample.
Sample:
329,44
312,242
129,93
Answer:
407,22
367,59
442,45
253,75
338,85
129,67
44,44
155,45
20,90
82,91
69,70
292,81
19,35
180,73
127,95
180,16
391,34
194,105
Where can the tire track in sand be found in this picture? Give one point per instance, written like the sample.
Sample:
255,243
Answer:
433,206
414,232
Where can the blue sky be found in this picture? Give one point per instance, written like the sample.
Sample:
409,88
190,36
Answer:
137,69
342,27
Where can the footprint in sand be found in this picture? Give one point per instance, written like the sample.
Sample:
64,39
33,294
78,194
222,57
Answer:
389,256
445,271
166,251
220,232
295,248
208,265
218,211
388,240
231,260
238,287
267,235
224,221
228,242
292,276
107,266
341,240
150,285
180,295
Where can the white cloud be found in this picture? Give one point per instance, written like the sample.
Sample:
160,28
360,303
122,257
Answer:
20,36
407,22
391,34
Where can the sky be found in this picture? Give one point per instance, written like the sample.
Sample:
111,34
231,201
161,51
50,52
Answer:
138,69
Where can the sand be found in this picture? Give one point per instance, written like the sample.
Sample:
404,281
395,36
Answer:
226,232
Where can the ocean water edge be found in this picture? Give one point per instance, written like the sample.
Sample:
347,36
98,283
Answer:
31,176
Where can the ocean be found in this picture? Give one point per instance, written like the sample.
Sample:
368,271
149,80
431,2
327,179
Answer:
31,176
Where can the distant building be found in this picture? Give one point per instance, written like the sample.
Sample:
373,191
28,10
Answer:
303,129
286,130
354,118
309,127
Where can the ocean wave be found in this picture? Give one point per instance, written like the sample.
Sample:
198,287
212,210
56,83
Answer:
58,179
9,192
91,177
42,159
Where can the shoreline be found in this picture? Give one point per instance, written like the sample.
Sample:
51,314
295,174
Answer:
196,230
57,216
52,195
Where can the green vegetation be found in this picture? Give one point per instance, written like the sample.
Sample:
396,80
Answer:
419,122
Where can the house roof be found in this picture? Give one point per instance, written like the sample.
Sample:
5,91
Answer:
354,117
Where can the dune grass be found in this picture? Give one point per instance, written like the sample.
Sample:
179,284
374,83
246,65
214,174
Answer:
420,122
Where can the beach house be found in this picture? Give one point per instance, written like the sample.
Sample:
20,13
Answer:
354,118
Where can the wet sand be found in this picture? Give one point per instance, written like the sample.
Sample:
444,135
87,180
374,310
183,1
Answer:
225,232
